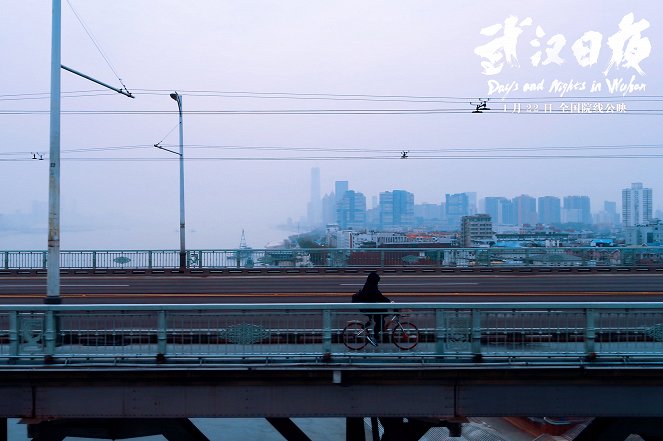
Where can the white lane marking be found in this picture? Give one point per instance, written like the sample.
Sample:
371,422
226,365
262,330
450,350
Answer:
70,286
414,284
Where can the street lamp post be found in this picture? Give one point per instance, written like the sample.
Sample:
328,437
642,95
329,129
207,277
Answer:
177,97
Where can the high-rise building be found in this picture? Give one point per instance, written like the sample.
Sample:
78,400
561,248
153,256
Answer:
549,210
329,209
396,209
386,206
373,218
471,202
330,202
457,205
315,202
340,187
492,208
576,210
476,230
525,210
500,209
608,216
403,208
636,205
351,210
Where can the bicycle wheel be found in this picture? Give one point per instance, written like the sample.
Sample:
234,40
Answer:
354,335
405,335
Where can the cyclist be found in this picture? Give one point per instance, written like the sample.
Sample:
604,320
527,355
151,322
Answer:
371,294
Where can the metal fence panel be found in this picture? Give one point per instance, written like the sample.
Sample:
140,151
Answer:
23,259
295,333
339,258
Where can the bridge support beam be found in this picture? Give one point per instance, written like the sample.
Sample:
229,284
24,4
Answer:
618,429
354,429
375,429
288,429
173,429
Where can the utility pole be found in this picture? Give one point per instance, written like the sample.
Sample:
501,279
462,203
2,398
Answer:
177,97
53,260
53,257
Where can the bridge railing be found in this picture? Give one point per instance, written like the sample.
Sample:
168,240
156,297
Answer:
504,334
339,258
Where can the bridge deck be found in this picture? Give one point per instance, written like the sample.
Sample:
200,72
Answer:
506,359
508,333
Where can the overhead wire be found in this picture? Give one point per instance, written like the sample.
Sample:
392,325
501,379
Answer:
376,98
166,136
97,45
80,95
394,111
346,111
425,150
47,94
371,150
368,97
364,158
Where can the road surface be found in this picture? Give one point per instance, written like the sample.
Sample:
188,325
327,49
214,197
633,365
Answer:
243,288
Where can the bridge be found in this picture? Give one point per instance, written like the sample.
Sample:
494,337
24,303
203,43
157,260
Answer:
338,259
239,360
268,360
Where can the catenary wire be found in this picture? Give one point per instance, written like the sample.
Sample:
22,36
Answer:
361,158
373,98
418,151
94,41
333,112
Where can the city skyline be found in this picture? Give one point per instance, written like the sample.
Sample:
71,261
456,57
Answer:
573,208
616,198
384,94
268,132
33,221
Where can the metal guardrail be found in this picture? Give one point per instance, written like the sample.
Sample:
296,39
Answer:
498,334
340,258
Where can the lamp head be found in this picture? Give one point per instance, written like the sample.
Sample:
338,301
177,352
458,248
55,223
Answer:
175,96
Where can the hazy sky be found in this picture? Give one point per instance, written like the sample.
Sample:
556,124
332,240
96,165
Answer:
418,61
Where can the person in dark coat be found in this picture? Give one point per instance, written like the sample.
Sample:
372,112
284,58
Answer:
370,293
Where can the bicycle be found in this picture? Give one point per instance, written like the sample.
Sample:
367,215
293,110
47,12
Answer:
357,334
